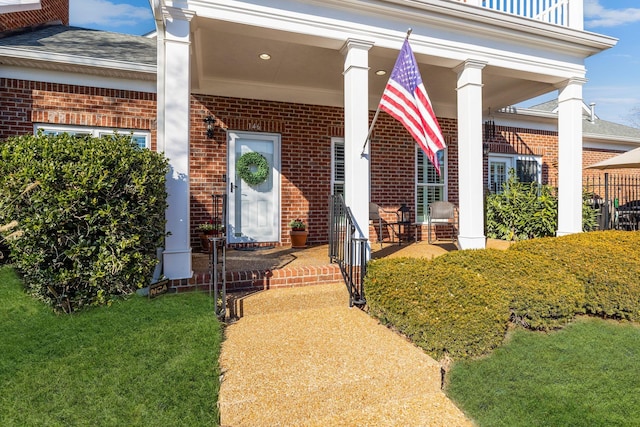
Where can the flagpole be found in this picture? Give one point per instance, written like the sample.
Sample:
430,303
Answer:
375,116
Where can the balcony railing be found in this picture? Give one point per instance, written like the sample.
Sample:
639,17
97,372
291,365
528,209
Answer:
568,13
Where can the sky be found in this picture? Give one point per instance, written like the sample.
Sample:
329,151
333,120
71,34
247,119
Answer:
614,75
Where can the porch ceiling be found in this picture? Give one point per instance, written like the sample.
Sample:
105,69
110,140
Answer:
308,69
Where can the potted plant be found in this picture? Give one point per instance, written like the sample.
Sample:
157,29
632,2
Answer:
298,233
207,229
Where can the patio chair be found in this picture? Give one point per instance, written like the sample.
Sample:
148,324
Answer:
374,215
442,214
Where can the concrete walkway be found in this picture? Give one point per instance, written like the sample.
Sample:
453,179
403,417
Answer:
302,357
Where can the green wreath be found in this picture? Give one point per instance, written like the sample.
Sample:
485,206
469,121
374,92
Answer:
255,161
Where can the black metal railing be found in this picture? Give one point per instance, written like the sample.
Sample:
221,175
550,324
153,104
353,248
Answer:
349,252
616,199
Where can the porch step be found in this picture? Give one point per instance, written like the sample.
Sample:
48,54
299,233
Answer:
301,356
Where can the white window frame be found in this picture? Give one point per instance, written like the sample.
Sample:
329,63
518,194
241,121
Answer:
94,131
512,160
445,183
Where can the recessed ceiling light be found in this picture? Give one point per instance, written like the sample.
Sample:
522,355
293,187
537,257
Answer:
265,56
381,73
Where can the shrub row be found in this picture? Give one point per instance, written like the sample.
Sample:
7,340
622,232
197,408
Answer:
89,213
461,303
607,264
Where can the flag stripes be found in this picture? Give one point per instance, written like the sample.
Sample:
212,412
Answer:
405,99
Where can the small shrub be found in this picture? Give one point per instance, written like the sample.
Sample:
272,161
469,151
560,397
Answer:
521,211
442,308
90,213
526,211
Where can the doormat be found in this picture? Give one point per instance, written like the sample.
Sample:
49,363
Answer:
253,248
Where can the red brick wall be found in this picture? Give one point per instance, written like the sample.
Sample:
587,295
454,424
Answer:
51,11
24,103
511,140
305,130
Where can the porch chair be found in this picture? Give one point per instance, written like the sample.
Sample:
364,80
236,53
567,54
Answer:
442,213
374,215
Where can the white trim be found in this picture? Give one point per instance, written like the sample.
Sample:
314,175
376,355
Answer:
10,6
86,61
76,79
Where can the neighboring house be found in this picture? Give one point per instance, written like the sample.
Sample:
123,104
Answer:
526,139
298,81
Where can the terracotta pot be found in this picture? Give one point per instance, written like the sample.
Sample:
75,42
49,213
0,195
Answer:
298,238
205,243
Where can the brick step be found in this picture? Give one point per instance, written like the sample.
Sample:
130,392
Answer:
264,279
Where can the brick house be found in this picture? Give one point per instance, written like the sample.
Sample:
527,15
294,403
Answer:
299,82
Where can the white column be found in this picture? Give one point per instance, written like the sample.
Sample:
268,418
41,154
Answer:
570,156
174,108
470,187
356,126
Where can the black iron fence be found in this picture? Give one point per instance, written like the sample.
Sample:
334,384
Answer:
616,200
349,252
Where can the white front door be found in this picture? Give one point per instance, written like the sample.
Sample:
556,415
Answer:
254,208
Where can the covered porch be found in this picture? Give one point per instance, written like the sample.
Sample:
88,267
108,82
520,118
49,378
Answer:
332,61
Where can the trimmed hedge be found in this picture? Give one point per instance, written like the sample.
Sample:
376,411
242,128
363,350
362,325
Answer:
607,263
443,308
542,296
90,213
461,303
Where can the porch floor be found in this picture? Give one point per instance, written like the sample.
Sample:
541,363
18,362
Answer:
260,269
286,257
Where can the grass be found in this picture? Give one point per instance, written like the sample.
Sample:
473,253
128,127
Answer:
137,362
584,375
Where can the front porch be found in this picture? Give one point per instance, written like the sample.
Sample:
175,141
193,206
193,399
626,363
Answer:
285,267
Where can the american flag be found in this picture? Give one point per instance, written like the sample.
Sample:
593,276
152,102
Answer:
406,99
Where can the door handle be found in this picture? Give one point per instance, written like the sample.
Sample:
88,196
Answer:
232,186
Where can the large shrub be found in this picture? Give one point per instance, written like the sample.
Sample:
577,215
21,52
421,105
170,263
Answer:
90,215
461,303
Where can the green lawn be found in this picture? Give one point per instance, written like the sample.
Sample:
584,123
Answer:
587,374
138,362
